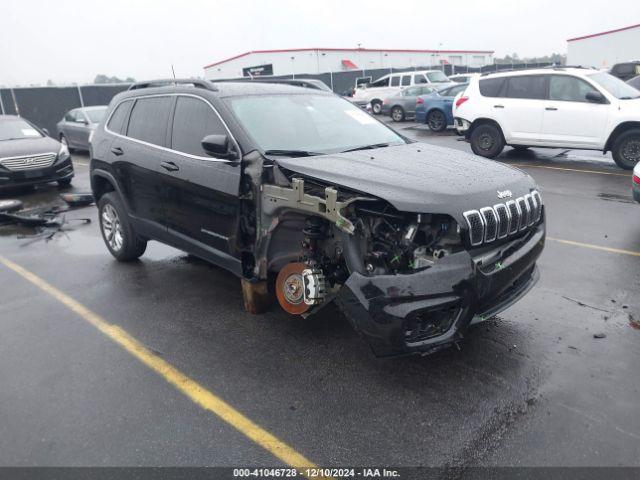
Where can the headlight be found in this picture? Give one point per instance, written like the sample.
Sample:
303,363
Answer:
64,151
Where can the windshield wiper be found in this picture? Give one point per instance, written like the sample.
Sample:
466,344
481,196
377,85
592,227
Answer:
12,138
629,98
366,147
291,153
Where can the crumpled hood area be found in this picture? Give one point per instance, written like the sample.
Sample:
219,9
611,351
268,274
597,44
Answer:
417,177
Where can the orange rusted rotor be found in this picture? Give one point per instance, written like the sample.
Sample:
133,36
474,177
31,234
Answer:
290,289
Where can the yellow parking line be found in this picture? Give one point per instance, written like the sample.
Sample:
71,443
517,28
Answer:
598,172
595,247
193,390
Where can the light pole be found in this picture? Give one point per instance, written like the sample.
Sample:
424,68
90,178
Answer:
293,72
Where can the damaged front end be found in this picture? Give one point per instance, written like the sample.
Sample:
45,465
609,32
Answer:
407,282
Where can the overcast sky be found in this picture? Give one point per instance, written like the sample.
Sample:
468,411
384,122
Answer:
73,40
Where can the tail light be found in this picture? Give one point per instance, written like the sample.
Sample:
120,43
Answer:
461,100
419,101
636,180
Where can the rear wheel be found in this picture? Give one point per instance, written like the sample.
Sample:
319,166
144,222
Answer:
486,140
376,107
626,149
436,121
397,114
118,233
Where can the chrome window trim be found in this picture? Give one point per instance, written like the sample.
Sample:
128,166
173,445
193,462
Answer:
466,216
170,150
502,205
484,220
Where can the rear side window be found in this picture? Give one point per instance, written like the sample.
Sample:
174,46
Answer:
532,87
117,121
192,121
395,81
406,80
148,121
492,87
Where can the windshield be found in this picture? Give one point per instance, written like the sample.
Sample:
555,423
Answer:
17,129
95,114
615,86
437,77
309,123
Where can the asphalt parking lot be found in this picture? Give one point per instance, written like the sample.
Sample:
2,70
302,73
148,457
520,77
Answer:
534,387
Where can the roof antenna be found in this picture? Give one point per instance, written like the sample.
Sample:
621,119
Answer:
174,75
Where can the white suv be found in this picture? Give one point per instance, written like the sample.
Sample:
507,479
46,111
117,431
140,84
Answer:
384,87
575,108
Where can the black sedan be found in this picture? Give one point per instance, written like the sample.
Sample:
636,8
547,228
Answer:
29,157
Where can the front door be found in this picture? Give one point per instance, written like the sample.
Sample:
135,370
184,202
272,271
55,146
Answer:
201,192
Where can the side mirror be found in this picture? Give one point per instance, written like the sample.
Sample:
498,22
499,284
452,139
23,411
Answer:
218,146
595,97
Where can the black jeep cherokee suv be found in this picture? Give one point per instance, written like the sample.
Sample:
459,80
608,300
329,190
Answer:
414,242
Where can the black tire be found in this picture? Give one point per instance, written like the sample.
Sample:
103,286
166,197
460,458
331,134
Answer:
376,107
626,149
437,121
129,246
397,114
486,140
10,205
64,141
64,183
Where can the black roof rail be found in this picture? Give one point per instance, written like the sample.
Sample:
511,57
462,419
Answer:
546,67
298,82
169,82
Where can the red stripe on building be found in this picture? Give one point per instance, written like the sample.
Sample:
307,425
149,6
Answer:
603,33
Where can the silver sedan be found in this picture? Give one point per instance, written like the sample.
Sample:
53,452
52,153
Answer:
76,126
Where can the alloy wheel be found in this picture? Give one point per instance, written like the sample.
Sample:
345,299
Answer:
111,227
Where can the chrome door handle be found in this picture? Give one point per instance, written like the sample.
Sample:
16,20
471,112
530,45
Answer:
498,106
170,166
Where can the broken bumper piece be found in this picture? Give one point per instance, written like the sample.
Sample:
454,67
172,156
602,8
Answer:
431,309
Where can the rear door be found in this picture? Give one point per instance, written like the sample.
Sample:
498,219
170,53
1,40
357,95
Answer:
201,193
520,109
73,128
569,118
136,158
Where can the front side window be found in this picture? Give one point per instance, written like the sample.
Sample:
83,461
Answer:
568,89
383,82
17,129
395,81
615,86
193,120
309,123
420,79
531,87
96,115
437,77
148,121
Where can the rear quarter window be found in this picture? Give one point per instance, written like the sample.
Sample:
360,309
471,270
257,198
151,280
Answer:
530,87
117,121
492,87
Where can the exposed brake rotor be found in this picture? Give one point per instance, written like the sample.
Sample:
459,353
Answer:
290,288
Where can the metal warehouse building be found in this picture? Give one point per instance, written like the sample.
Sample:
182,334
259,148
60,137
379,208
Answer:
331,60
603,50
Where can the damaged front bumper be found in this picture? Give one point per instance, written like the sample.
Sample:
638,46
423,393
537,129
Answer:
431,309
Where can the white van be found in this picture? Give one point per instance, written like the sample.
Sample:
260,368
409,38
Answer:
392,83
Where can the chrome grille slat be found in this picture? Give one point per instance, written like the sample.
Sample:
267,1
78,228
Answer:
503,219
28,162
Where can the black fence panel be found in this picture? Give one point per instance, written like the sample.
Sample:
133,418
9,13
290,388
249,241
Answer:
45,106
101,94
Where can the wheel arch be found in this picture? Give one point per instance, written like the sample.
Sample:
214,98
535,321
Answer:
103,182
619,130
484,121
